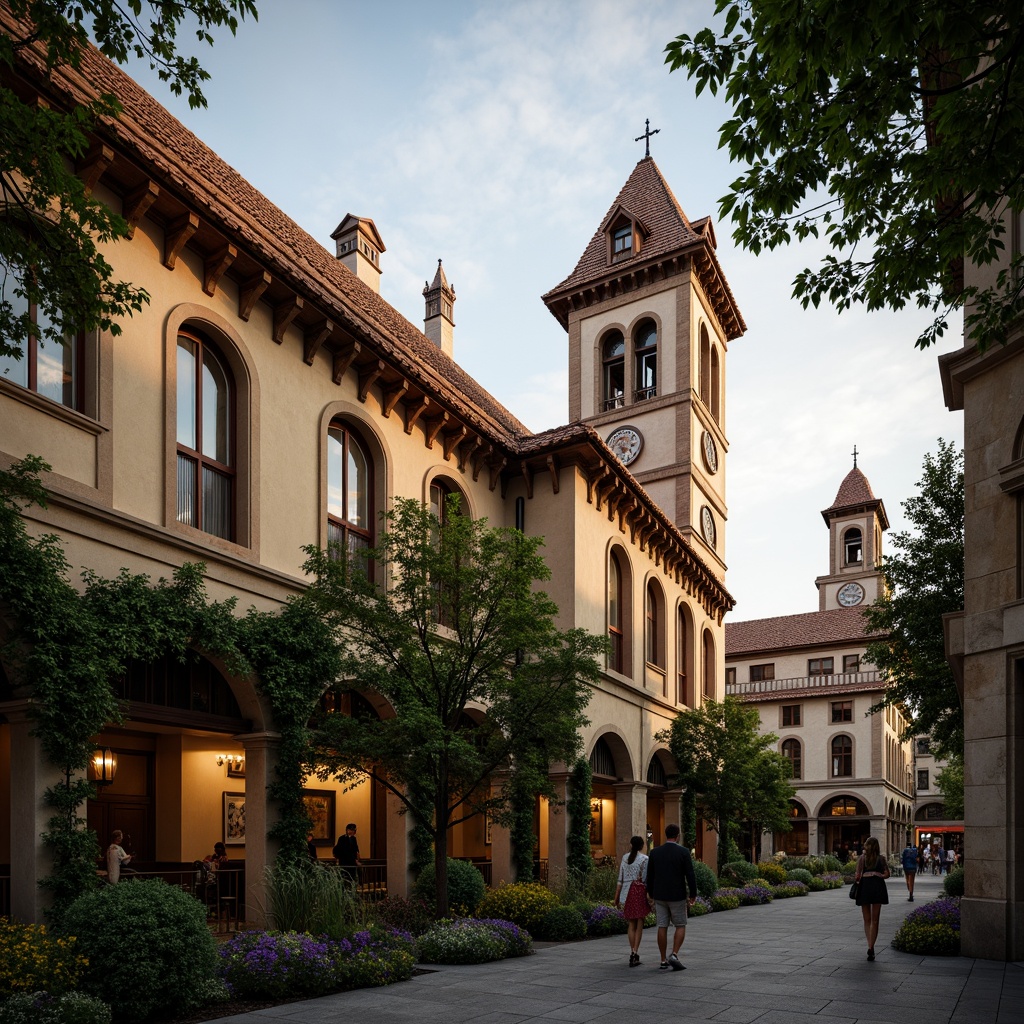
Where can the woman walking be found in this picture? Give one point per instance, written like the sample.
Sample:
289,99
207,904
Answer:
872,871
631,890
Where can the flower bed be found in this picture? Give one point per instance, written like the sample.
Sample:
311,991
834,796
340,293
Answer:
702,905
725,899
32,960
931,930
789,889
829,880
604,920
755,894
471,941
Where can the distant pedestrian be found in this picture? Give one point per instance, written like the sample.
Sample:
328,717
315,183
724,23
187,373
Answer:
872,871
346,852
950,860
631,891
909,858
672,884
116,857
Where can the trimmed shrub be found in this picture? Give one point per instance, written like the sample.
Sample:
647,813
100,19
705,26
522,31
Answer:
601,883
465,886
954,883
738,871
833,863
849,870
283,965
725,899
563,924
755,893
33,960
931,930
44,1008
469,941
799,875
829,880
602,920
523,903
701,906
787,889
707,880
409,915
147,945
771,872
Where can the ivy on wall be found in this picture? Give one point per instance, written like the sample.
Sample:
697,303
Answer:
578,856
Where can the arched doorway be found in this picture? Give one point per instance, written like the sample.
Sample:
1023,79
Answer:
794,843
847,823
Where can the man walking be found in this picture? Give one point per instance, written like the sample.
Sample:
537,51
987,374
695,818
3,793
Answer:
346,852
672,884
909,858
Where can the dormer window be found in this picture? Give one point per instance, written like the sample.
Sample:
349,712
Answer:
622,241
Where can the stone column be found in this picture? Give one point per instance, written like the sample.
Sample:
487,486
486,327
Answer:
630,814
400,826
673,812
501,842
558,830
261,749
31,774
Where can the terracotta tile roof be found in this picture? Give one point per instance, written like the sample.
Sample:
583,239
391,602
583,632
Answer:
217,191
647,197
807,629
854,490
812,691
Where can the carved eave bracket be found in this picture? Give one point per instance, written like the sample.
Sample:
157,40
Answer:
94,164
249,293
178,232
136,203
343,360
391,395
314,339
216,266
284,313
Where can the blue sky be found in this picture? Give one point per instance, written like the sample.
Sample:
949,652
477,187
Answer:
495,136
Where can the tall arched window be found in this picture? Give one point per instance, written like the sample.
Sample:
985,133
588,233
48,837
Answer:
613,353
704,369
615,614
709,665
205,399
349,491
655,640
791,752
842,756
853,547
645,347
716,385
684,645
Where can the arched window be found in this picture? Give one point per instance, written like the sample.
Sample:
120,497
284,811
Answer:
349,491
704,369
645,347
655,640
602,760
684,647
842,756
441,507
47,366
709,665
615,614
613,352
206,473
791,752
853,547
716,385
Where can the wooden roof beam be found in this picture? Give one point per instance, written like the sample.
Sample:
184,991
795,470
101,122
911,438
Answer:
178,232
594,477
136,203
368,376
431,428
94,164
414,410
484,454
215,267
496,466
343,359
527,477
284,313
391,395
250,292
555,470
468,450
313,339
451,441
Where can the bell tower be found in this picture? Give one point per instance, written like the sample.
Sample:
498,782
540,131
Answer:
650,316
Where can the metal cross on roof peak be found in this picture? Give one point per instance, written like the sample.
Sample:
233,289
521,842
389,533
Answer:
647,136
854,456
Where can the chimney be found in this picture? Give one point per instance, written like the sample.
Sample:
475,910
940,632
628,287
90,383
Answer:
359,246
438,324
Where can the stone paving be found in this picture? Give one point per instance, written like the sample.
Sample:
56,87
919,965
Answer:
798,961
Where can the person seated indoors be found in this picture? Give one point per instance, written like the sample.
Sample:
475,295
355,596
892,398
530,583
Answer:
218,858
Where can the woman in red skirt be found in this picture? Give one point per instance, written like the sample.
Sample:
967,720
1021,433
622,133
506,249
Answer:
631,895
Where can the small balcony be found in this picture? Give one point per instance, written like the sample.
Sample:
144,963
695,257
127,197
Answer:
869,680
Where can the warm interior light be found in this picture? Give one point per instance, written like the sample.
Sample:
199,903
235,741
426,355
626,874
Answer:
103,767
235,762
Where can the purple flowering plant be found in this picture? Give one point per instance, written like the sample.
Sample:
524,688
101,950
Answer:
931,930
605,920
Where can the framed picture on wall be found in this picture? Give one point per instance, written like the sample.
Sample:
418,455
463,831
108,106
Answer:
319,804
487,829
234,819
595,822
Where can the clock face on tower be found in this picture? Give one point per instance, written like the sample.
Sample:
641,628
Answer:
626,442
710,452
707,525
850,595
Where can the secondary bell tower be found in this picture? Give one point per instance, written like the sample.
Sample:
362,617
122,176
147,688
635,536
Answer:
650,316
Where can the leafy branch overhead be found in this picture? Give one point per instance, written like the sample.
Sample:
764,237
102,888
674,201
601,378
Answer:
897,136
443,621
51,229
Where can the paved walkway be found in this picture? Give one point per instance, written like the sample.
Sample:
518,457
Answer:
798,961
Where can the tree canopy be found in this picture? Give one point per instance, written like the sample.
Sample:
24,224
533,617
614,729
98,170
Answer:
449,629
893,131
54,279
924,579
733,771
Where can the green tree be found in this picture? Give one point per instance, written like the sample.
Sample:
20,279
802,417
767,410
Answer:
894,132
924,579
466,652
950,781
50,227
732,770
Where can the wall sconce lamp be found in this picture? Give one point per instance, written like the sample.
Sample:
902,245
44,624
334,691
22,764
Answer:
595,806
235,763
103,767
